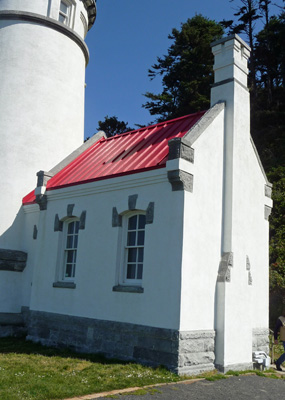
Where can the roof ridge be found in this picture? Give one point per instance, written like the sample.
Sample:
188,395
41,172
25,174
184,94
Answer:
168,121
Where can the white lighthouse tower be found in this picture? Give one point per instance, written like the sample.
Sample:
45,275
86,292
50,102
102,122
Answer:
42,77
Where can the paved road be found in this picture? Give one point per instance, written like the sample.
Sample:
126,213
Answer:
251,387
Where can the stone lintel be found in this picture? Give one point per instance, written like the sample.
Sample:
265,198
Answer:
58,224
180,180
179,149
132,202
82,220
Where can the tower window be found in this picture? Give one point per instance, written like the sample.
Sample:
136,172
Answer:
64,12
70,251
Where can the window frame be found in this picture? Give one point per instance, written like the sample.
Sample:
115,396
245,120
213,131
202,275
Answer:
124,281
68,16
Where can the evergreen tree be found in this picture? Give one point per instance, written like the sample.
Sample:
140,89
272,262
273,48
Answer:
187,70
112,126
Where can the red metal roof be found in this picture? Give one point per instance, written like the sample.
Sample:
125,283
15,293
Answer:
131,152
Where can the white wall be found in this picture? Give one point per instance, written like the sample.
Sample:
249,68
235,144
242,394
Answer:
202,230
41,105
98,247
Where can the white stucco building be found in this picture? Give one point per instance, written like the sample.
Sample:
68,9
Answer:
151,245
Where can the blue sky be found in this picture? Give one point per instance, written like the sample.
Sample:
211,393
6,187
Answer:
124,42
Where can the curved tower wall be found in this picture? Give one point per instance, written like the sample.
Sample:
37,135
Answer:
42,70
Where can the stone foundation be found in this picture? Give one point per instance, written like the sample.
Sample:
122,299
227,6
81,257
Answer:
181,352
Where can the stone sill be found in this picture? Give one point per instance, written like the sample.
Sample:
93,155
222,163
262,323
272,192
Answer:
128,289
64,285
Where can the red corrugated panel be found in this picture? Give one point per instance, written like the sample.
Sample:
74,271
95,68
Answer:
131,152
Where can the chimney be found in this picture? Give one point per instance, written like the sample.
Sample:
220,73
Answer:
230,85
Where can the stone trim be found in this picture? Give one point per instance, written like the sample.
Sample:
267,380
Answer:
69,210
43,178
197,129
41,200
82,220
248,269
267,212
90,6
12,260
116,218
268,190
226,263
58,225
48,22
128,289
35,232
132,202
180,180
182,352
99,135
64,285
260,340
179,149
149,213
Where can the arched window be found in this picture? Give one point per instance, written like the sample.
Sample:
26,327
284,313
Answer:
71,230
134,248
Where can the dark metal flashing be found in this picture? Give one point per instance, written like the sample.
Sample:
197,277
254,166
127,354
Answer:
225,81
12,260
48,22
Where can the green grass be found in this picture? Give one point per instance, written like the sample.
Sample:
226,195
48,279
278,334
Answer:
30,371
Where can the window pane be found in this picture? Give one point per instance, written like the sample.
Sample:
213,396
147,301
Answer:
141,238
71,228
68,271
131,239
132,255
140,271
132,223
141,221
75,242
63,7
131,271
69,258
76,227
69,242
140,257
61,18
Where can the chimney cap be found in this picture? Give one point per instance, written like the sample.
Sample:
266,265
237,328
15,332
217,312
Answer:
231,37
